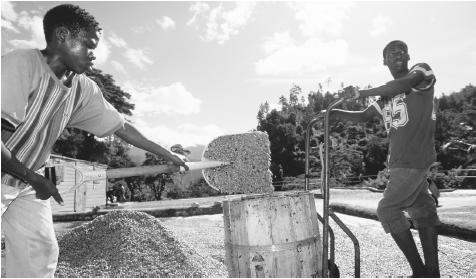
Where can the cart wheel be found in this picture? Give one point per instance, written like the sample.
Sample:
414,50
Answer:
333,270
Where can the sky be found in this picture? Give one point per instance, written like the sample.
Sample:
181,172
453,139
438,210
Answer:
198,70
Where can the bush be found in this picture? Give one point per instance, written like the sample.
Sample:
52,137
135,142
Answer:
201,189
175,192
445,181
291,183
442,180
196,190
138,194
380,182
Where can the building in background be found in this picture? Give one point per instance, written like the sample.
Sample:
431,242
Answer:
87,196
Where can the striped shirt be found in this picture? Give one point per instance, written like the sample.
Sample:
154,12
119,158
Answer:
410,122
40,106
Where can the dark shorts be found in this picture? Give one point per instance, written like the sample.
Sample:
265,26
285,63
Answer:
407,190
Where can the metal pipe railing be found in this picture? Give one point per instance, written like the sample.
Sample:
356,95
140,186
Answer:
331,238
327,230
308,151
325,194
354,240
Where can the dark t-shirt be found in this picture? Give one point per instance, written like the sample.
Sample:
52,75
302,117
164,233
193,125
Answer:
410,122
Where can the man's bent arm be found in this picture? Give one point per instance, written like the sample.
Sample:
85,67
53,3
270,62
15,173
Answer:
12,166
132,136
43,187
395,87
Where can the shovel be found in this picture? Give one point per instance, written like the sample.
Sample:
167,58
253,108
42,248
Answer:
229,156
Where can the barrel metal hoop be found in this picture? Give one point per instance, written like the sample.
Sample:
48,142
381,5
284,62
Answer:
273,248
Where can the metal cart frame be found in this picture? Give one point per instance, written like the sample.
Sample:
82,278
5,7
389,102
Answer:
327,211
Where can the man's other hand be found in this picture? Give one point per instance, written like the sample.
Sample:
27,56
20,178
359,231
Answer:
44,188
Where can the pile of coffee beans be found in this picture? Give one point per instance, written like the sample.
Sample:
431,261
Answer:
125,243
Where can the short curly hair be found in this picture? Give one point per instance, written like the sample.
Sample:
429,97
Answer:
70,16
392,43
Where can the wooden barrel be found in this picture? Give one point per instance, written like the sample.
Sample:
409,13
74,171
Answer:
272,236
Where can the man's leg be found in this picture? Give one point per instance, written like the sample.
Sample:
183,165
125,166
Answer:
405,242
31,249
429,242
400,193
425,218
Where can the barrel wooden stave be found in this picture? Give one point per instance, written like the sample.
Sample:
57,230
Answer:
272,236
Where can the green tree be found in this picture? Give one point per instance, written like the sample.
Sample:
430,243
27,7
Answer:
262,112
455,120
112,93
155,182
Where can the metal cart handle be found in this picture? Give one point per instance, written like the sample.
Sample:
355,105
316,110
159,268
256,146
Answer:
325,193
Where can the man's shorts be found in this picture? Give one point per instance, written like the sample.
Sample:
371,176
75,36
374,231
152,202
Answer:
407,190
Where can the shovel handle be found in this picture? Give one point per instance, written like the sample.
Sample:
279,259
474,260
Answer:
143,170
159,169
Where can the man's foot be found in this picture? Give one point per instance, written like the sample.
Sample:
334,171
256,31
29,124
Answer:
423,273
414,275
419,276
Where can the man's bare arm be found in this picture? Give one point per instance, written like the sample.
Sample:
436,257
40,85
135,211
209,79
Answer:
395,87
131,135
12,166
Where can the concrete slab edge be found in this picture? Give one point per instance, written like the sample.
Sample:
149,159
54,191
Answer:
159,213
446,229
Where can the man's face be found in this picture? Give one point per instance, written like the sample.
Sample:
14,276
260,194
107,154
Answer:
77,52
396,58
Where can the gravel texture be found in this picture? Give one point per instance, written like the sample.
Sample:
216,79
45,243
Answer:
380,257
249,155
205,233
129,244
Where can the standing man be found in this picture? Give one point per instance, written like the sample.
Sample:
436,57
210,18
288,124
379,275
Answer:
42,93
406,106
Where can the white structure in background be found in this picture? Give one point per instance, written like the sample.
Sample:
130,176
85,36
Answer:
87,196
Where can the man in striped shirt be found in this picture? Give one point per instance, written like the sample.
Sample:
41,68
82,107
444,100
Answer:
406,107
42,93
